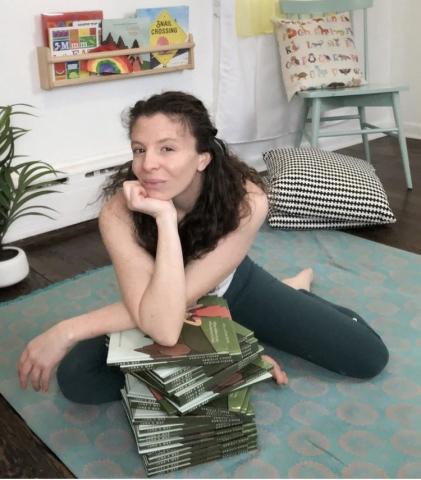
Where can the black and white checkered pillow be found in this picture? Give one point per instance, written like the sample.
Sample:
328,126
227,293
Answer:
312,188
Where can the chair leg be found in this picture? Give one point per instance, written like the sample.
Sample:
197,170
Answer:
315,122
303,123
402,140
363,122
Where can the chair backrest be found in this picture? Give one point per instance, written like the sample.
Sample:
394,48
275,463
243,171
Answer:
310,8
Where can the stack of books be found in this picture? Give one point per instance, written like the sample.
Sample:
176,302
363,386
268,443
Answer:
167,441
190,403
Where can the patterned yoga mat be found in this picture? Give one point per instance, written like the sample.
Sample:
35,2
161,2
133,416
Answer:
320,426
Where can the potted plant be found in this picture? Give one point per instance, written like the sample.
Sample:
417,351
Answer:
20,183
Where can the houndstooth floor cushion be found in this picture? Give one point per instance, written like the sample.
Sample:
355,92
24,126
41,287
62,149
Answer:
312,188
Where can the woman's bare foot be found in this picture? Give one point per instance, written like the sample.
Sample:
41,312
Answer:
301,281
280,377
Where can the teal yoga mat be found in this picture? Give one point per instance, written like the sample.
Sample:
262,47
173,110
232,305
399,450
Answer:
320,426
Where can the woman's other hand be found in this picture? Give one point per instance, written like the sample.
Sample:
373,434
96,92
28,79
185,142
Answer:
41,355
137,200
278,374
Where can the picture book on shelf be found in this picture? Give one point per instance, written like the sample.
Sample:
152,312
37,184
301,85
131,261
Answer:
109,65
68,19
65,20
167,26
67,41
128,33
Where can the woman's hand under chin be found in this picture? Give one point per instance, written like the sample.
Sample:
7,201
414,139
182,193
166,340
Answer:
137,200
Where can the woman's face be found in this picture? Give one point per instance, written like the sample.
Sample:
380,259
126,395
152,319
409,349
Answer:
165,160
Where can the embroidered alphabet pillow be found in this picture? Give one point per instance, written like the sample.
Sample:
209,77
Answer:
317,53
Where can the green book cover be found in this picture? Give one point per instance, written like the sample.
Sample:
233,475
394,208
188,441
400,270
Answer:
246,407
236,399
243,331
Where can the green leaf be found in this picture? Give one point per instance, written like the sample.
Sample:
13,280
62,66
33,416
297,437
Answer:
35,214
4,202
32,207
27,198
28,172
7,146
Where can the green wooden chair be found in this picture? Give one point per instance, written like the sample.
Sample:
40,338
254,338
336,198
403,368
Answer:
318,102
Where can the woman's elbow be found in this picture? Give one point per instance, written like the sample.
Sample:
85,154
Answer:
165,335
166,340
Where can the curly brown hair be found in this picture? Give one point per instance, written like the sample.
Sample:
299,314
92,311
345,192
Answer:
222,202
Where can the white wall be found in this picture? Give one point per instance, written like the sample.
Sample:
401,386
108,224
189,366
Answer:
406,60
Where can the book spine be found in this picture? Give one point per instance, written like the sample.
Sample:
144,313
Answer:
186,410
185,433
186,385
200,359
219,378
191,394
181,462
169,457
179,466
229,446
176,382
184,371
150,421
144,405
180,455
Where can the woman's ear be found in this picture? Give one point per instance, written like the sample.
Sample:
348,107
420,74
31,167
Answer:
204,160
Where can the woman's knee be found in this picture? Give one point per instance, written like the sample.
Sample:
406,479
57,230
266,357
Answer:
370,359
69,379
379,361
84,378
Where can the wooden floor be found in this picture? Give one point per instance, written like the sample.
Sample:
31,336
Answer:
70,251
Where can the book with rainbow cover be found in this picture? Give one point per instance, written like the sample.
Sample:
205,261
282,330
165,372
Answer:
125,33
87,18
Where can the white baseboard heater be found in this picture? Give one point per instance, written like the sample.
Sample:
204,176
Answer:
79,198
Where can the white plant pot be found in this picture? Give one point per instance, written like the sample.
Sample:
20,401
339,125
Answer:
14,269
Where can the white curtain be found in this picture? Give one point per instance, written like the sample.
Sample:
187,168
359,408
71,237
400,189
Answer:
252,111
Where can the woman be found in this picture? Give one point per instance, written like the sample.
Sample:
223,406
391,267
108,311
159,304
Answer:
179,228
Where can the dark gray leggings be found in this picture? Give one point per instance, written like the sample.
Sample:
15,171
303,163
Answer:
296,322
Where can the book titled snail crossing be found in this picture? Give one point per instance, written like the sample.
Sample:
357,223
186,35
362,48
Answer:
167,26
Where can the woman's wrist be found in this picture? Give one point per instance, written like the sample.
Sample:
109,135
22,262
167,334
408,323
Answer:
67,331
166,217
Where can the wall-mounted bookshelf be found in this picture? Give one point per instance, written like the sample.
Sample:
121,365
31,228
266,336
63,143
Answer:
46,61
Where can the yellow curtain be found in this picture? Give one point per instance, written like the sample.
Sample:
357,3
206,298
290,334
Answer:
252,17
